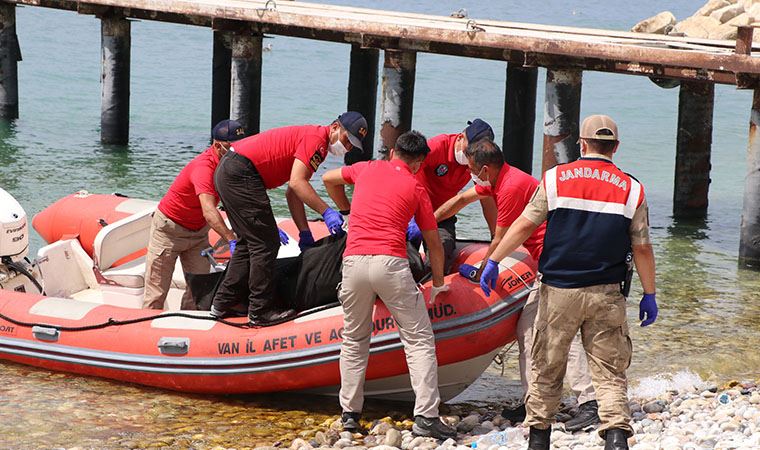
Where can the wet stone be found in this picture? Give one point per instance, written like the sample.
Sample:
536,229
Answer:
393,438
381,428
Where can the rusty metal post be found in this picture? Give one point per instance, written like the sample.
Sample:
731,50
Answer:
562,108
749,240
693,145
362,95
520,116
398,95
114,102
245,104
744,40
10,55
220,77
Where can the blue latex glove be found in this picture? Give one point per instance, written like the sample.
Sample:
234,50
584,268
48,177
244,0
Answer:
468,271
305,239
284,239
648,309
489,276
334,221
233,244
413,233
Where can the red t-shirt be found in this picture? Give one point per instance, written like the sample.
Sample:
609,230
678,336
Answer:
386,196
441,175
274,151
181,203
513,191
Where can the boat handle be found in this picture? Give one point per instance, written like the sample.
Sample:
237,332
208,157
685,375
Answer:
174,346
48,334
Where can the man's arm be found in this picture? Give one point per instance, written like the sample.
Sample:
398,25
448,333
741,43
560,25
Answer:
455,204
299,183
518,233
643,257
214,218
297,211
335,186
490,212
435,253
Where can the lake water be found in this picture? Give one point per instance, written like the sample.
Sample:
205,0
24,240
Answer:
709,309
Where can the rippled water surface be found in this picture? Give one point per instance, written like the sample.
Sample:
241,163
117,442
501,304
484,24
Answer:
710,310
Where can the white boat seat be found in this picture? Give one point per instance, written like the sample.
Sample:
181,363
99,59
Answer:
65,268
132,274
122,238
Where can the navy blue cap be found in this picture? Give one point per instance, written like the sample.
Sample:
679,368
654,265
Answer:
228,130
478,129
356,126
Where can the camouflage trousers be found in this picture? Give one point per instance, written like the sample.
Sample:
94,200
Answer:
599,313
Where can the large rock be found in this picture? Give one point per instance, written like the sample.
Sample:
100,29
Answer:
660,24
696,26
712,5
727,13
754,11
741,20
724,32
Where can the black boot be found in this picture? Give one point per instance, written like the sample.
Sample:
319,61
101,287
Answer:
539,439
514,415
615,439
350,421
588,414
272,317
432,427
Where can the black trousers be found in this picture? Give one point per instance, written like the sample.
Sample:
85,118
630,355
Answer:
447,230
250,271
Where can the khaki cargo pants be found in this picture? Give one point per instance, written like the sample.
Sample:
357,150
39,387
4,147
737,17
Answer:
577,376
599,313
169,240
366,277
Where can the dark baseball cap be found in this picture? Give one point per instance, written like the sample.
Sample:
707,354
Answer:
228,130
356,126
478,129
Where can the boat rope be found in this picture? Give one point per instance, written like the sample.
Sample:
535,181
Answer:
111,322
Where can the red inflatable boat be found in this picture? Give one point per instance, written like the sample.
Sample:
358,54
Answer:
90,321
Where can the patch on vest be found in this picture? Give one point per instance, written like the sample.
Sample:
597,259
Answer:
316,160
442,170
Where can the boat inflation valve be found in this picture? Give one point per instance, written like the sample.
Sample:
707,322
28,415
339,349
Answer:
48,334
174,345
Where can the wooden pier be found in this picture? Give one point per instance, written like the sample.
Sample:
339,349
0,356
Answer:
239,26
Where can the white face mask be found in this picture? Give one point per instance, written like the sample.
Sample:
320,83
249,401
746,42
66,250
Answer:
460,157
478,181
337,149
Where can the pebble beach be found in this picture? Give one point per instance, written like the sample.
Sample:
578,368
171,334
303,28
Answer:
669,413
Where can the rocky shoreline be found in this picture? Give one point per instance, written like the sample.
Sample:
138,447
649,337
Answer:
716,19
695,417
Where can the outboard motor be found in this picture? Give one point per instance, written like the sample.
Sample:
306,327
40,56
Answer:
15,268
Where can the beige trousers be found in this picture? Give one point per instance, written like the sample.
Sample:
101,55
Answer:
577,376
169,240
366,277
599,313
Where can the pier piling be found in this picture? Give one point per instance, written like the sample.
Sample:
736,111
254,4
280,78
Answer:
562,108
749,238
220,77
9,57
693,145
398,95
362,95
245,95
114,103
520,116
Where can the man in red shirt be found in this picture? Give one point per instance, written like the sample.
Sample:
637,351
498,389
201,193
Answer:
182,220
443,174
512,189
266,161
386,196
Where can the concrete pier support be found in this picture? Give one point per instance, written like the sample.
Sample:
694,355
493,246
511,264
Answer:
562,108
398,95
10,55
520,116
220,77
749,240
693,145
362,95
114,102
245,101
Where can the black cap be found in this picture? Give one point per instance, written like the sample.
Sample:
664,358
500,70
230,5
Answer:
478,129
356,126
228,130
